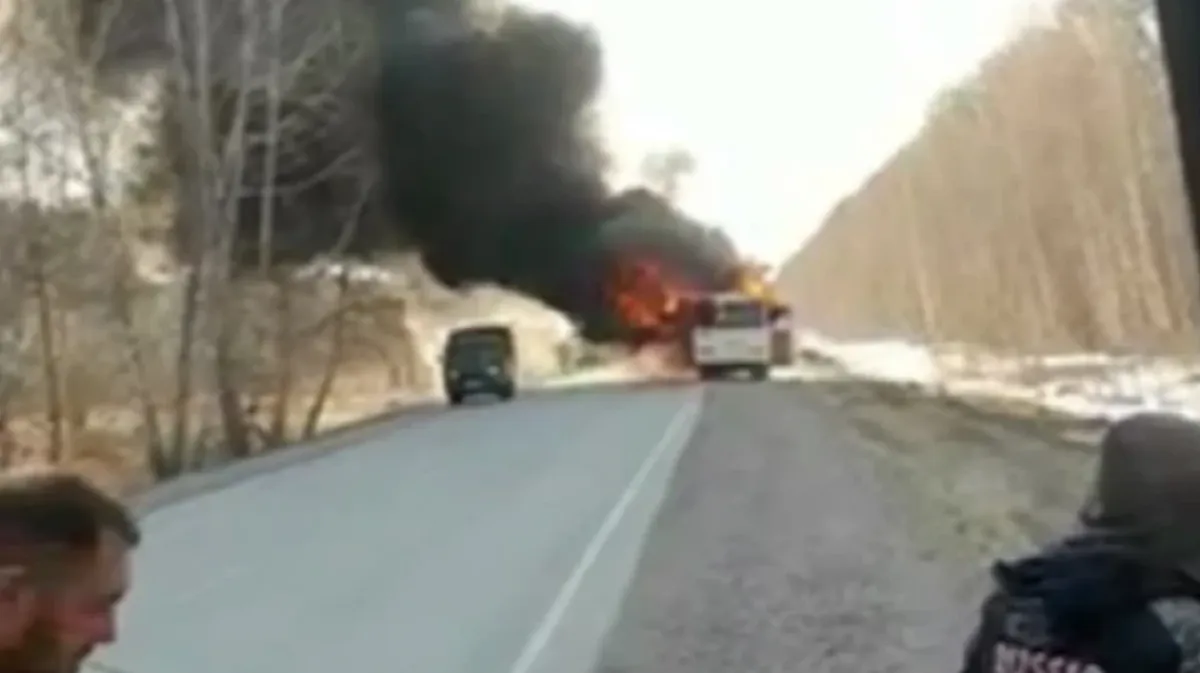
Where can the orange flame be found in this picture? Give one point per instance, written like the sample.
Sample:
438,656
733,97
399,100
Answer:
656,307
648,300
752,280
653,303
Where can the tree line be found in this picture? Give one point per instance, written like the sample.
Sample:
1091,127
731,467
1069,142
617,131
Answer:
117,353
1039,208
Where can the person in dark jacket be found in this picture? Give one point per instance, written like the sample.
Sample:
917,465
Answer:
1122,592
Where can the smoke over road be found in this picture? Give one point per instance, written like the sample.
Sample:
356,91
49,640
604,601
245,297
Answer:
495,171
482,130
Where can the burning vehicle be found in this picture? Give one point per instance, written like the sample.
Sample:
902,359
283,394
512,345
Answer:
739,327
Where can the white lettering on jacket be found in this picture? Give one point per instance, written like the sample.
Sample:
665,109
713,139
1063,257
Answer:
1008,658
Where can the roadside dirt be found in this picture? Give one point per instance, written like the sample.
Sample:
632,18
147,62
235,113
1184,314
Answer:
980,479
779,547
840,526
110,451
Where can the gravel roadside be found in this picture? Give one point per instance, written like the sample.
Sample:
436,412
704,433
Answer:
978,481
781,548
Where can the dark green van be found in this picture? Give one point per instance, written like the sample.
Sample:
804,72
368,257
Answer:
480,359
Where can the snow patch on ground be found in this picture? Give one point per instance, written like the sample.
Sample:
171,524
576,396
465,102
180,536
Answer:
1088,385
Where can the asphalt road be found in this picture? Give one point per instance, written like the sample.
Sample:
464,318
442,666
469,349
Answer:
738,528
779,548
492,539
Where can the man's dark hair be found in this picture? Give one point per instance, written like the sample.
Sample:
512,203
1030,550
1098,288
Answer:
51,511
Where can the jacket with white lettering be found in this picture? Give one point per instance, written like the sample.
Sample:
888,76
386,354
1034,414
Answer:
1086,606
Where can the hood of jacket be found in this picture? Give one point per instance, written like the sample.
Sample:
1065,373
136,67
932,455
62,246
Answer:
1088,579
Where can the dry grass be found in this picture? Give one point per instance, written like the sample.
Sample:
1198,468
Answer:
981,480
110,451
1040,208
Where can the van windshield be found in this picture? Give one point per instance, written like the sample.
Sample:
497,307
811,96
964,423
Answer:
475,346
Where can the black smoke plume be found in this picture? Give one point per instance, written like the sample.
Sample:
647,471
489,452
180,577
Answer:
494,167
481,131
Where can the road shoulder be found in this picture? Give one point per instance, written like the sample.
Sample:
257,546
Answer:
774,551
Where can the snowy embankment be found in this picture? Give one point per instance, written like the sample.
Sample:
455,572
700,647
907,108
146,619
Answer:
1088,385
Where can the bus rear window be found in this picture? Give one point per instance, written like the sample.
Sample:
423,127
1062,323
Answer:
732,314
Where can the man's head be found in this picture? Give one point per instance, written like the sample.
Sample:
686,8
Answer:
64,568
1148,488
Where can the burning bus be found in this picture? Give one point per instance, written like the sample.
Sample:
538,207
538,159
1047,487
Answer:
715,332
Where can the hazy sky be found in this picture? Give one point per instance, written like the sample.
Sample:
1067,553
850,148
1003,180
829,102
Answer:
786,104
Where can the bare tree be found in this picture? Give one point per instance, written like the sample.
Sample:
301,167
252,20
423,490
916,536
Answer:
83,152
244,124
28,176
14,336
1037,209
665,171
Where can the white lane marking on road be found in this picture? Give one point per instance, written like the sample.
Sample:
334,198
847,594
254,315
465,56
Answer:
683,420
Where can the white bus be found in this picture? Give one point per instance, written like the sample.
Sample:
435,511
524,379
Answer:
733,332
